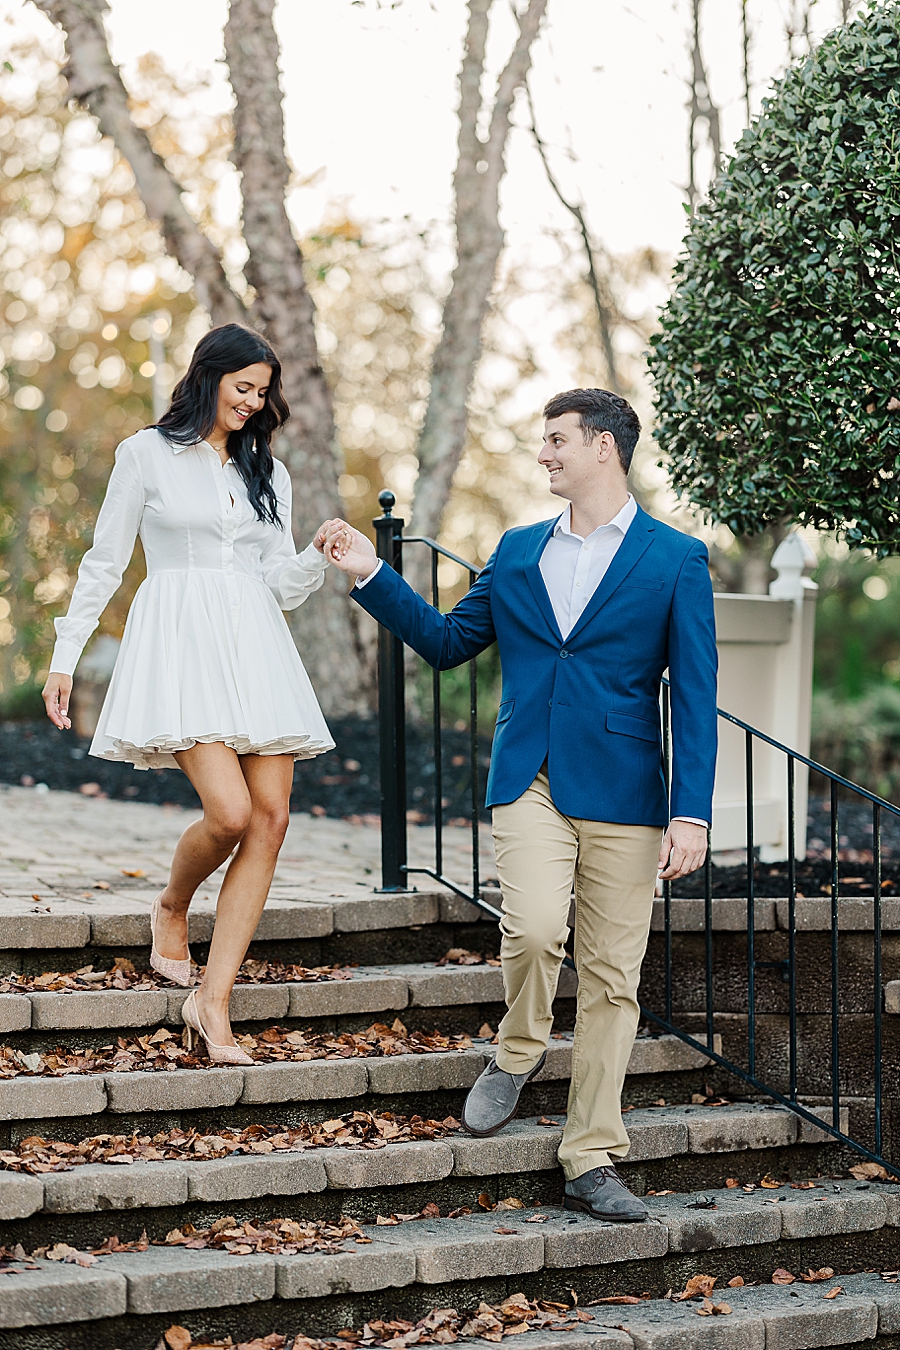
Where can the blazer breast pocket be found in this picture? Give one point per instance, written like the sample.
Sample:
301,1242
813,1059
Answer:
644,583
505,710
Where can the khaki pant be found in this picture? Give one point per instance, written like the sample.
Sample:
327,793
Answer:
540,852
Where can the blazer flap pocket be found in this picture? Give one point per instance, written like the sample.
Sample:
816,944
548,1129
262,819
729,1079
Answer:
645,583
626,725
505,710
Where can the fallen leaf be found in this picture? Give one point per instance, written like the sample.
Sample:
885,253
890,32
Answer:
510,1203
697,1284
137,872
813,1276
616,1298
770,1184
869,1171
506,1232
731,1182
736,1283
101,885
833,1293
781,1276
721,1309
178,1338
485,1201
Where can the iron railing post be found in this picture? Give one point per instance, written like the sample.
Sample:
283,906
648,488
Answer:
391,715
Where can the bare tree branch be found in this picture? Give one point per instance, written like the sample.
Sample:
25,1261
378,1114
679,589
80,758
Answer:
284,310
95,82
701,109
745,57
602,301
479,172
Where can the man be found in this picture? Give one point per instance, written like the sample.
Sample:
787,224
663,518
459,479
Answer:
588,610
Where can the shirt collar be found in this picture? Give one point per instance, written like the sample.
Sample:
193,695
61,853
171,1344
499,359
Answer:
622,520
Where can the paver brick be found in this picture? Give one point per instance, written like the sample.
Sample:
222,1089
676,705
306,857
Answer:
99,1008
586,1242
523,1146
289,920
367,991
20,1195
394,1165
445,986
892,996
811,1134
57,1294
736,1221
424,1073
855,914
373,912
666,1054
303,1081
800,1319
730,1129
728,915
676,1326
454,909
885,1296
655,1133
379,1266
15,1012
245,1178
171,1279
460,1249
847,1212
127,925
591,1338
102,1186
34,1098
42,930
174,1090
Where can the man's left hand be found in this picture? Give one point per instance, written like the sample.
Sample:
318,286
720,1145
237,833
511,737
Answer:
683,849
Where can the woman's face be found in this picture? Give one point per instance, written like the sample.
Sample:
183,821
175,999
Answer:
241,394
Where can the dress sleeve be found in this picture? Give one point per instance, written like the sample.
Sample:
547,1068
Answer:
290,576
101,568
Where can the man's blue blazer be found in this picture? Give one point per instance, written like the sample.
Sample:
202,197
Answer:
588,704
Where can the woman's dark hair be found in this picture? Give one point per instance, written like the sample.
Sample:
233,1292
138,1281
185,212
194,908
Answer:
191,415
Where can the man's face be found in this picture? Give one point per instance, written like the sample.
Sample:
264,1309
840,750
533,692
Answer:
573,466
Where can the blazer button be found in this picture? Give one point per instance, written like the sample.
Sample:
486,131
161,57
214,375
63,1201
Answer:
563,654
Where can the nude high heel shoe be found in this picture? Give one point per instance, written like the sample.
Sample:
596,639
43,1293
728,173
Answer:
219,1054
179,972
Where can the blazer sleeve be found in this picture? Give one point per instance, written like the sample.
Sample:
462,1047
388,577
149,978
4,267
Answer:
444,640
693,667
291,576
101,569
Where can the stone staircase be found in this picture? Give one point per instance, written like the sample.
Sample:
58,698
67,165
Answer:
699,1160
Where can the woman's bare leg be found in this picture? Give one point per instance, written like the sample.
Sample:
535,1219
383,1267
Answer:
243,895
215,771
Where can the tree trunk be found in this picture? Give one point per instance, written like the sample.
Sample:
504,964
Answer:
326,628
479,238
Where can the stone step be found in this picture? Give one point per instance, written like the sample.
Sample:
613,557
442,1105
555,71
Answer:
510,1245
525,1146
369,989
39,915
47,1097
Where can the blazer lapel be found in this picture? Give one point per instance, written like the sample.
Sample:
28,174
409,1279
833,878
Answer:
633,546
533,553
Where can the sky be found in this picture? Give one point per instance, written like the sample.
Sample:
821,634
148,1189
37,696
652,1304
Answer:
371,92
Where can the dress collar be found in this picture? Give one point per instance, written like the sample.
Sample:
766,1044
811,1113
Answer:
622,520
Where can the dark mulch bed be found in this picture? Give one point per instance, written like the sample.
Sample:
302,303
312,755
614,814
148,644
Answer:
345,782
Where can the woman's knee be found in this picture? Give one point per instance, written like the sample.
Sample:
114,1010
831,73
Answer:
269,823
228,821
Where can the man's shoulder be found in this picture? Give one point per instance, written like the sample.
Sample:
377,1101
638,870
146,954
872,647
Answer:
677,540
522,533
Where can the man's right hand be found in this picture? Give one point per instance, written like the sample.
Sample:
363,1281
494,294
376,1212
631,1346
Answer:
348,550
56,694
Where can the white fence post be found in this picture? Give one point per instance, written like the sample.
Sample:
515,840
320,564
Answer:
765,678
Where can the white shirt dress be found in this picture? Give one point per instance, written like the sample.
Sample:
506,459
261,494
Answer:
207,654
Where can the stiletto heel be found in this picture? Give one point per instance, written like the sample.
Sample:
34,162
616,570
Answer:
179,972
219,1054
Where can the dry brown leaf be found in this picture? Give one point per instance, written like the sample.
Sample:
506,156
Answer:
731,1182
770,1184
781,1276
869,1171
697,1284
833,1293
616,1298
178,1338
510,1203
132,872
813,1276
506,1232
485,1201
736,1283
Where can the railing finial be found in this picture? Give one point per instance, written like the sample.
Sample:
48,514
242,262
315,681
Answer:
387,501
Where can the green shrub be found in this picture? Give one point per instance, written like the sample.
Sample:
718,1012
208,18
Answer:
860,738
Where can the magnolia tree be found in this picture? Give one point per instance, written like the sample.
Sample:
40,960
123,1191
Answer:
777,364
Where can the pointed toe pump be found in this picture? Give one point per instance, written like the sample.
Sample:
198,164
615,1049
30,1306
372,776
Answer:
219,1054
179,972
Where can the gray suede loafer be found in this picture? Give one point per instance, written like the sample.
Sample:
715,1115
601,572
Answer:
603,1194
494,1099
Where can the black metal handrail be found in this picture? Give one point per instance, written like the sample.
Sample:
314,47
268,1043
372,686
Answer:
396,870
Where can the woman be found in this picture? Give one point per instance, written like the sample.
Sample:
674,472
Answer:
208,679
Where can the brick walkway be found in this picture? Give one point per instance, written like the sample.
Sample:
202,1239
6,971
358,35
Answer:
56,845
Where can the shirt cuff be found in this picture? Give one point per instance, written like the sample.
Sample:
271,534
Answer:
312,560
65,658
693,820
364,581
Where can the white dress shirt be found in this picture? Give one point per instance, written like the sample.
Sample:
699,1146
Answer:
573,567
